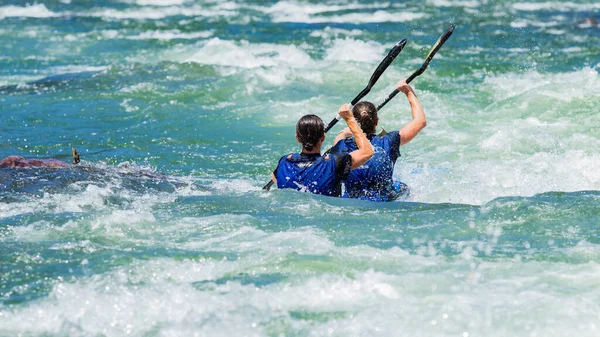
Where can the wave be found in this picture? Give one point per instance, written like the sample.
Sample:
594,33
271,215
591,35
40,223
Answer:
30,11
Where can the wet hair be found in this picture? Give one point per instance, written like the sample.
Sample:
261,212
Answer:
310,129
365,114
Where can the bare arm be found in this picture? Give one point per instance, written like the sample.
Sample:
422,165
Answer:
342,135
418,122
365,149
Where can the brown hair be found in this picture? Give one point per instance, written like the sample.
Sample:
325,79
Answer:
309,130
365,114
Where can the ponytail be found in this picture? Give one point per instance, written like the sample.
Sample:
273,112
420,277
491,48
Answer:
309,130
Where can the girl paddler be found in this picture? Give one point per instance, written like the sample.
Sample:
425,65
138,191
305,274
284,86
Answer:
309,171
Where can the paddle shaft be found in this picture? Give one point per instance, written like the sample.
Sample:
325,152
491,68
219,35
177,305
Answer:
396,91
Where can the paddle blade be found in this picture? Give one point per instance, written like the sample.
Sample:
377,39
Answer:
440,42
385,63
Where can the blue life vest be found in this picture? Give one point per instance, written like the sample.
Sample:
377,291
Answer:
313,173
373,180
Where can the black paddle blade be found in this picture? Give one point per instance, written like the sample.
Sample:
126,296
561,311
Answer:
440,42
385,63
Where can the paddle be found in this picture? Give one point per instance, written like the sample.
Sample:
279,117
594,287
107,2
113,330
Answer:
432,52
440,42
395,51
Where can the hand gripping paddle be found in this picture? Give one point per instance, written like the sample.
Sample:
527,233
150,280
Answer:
385,63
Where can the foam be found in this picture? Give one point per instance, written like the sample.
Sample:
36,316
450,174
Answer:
239,186
377,16
73,69
143,87
20,80
168,35
287,11
561,6
329,33
532,138
30,11
578,84
355,50
161,296
157,2
454,3
240,54
155,13
311,8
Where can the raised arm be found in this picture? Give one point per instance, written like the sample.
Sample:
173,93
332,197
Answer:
418,122
365,149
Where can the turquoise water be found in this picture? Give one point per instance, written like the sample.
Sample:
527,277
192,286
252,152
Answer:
181,109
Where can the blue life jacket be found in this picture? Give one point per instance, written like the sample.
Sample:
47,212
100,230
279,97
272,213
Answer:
373,180
313,173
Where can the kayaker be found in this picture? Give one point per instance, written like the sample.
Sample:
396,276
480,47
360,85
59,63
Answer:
373,181
308,170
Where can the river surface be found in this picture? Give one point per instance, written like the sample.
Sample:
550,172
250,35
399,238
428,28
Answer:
181,109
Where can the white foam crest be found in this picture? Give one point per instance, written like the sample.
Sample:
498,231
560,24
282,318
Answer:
91,197
355,50
561,6
454,3
377,16
11,209
540,24
536,137
156,2
578,84
572,50
330,33
75,69
143,87
315,8
155,295
479,181
239,186
108,305
168,35
241,54
29,11
118,223
162,297
155,13
241,237
19,80
84,196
